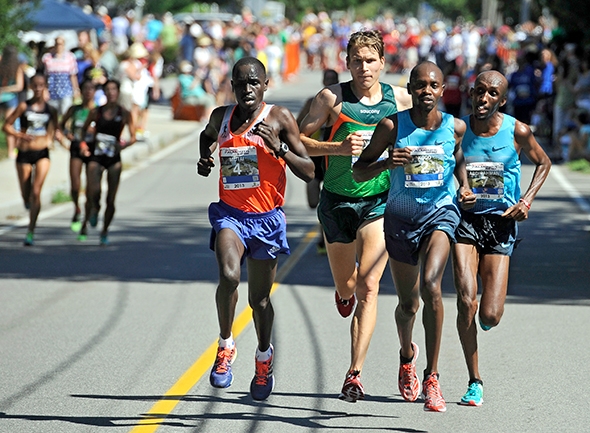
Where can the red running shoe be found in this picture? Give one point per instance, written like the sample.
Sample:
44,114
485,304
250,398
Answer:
352,390
345,307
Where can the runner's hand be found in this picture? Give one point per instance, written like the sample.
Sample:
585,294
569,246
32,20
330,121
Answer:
271,140
352,145
518,212
398,157
466,198
204,166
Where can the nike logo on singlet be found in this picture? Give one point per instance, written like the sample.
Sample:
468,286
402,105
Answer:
495,149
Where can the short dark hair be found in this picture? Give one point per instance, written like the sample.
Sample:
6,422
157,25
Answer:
249,61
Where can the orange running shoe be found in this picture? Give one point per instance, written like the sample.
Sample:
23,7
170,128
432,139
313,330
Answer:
408,382
433,399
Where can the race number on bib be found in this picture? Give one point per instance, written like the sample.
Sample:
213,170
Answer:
366,135
239,167
105,145
486,179
427,167
36,124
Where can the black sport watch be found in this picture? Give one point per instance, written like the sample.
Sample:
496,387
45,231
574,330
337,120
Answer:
283,149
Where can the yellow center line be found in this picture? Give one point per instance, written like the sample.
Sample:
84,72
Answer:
163,407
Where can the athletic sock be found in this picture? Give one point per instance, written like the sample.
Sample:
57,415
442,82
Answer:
227,342
263,356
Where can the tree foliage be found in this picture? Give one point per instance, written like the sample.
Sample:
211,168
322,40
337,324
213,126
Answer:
13,18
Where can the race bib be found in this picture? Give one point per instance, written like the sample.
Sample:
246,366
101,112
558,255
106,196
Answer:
105,145
366,135
36,124
427,167
486,179
239,167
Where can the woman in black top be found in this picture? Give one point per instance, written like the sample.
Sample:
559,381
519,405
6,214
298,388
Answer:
105,155
38,123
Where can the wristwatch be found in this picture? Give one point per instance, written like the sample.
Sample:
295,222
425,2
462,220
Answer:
283,149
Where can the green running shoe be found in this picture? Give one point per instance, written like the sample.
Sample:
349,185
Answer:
474,395
29,240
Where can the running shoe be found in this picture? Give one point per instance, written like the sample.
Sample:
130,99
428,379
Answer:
29,240
433,399
221,375
264,381
352,390
474,395
83,235
345,307
321,248
408,382
104,241
484,327
75,226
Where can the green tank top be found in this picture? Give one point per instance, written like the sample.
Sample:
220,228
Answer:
356,116
78,119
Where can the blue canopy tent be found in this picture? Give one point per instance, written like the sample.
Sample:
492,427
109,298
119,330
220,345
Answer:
61,15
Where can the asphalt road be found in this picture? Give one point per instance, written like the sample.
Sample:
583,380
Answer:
121,338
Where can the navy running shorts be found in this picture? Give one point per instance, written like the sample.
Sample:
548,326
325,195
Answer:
491,234
341,216
264,235
403,240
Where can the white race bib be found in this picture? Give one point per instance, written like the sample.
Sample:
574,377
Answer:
427,167
239,167
486,179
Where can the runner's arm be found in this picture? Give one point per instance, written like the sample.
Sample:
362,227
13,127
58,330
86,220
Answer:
322,106
525,141
368,165
403,99
281,119
466,196
208,142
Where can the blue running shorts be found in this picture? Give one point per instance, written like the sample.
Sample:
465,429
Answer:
264,235
403,239
491,234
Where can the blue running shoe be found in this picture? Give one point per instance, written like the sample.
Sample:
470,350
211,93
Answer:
264,381
104,241
221,375
474,395
484,327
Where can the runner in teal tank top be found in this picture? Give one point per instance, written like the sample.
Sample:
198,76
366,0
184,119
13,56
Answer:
487,233
420,218
350,212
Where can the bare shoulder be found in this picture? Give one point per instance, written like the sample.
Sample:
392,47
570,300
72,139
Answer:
521,130
460,126
403,99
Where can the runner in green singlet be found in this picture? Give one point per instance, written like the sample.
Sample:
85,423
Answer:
351,213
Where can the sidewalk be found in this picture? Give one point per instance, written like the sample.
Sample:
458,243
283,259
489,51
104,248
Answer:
163,131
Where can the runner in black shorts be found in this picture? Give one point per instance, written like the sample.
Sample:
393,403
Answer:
104,152
38,124
71,125
487,233
330,77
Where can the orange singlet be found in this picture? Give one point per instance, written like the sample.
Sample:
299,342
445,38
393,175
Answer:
251,178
